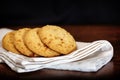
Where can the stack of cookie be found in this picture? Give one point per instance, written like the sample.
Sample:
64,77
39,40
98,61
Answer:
47,41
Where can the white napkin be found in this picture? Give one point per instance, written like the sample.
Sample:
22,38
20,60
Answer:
89,57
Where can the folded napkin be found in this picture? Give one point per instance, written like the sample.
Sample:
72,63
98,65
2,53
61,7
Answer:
89,57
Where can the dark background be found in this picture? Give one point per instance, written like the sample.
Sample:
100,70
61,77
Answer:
59,12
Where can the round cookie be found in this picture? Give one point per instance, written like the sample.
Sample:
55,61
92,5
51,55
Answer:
8,42
19,42
57,39
33,42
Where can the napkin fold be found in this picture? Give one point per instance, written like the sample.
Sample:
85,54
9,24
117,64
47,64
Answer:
89,57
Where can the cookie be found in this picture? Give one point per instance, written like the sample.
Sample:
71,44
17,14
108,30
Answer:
33,42
7,42
19,42
57,38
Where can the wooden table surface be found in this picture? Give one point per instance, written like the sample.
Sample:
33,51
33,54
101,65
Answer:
84,33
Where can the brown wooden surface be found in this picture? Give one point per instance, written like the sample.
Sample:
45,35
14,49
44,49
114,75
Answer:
84,33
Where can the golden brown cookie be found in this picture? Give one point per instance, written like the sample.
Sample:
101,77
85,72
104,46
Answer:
19,42
33,42
57,39
7,42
